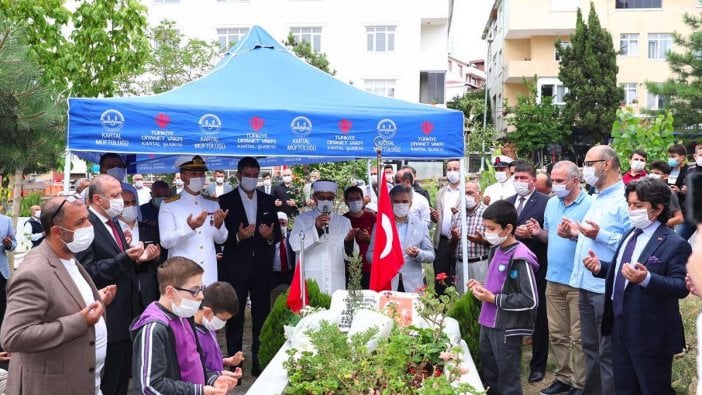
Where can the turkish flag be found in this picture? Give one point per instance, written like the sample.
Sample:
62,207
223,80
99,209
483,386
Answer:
294,299
387,252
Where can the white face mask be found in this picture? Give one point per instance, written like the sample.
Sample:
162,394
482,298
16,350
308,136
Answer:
655,176
219,180
187,308
116,207
138,184
453,176
213,325
400,209
522,188
325,205
117,172
560,190
494,238
37,214
267,182
589,175
283,230
248,183
501,176
639,218
196,184
82,239
287,179
130,213
355,206
179,183
390,178
637,165
470,202
698,161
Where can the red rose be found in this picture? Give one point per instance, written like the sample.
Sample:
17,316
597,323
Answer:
441,277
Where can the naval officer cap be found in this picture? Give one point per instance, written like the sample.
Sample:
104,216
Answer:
193,163
501,161
324,186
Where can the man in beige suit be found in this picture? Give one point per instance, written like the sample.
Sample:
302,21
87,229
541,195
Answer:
54,326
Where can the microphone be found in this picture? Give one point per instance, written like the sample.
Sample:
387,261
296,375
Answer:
325,210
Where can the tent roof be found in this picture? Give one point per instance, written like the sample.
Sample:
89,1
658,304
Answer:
262,100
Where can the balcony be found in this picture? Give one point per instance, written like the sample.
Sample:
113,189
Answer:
516,70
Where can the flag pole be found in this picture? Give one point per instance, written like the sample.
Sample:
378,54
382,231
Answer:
379,152
302,268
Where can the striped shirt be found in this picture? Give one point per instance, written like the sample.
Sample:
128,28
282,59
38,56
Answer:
474,224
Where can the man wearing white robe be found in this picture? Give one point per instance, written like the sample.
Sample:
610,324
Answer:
328,238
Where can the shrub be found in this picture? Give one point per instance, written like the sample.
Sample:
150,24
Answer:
32,199
466,311
272,336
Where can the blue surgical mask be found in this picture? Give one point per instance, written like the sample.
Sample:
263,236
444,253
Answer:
672,162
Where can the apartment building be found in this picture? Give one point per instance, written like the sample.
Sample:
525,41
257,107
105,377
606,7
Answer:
396,48
521,37
464,76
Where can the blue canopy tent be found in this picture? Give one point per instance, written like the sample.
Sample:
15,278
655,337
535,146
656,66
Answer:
261,100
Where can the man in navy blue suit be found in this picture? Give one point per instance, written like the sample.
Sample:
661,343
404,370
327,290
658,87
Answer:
530,205
642,288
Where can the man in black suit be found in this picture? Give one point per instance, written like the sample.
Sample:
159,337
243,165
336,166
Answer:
531,205
286,195
248,253
642,288
110,260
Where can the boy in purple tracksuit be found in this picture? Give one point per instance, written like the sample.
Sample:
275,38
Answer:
219,304
509,299
166,358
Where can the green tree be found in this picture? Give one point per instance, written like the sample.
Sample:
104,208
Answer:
173,63
477,137
588,68
684,90
652,135
105,42
304,51
32,117
538,125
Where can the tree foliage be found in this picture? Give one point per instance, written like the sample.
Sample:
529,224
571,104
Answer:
588,68
684,90
105,41
304,51
652,135
173,63
538,125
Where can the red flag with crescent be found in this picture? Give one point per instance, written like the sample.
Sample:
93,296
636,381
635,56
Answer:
387,252
294,300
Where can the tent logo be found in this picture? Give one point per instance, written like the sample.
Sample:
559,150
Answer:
256,123
301,126
387,128
427,127
162,120
345,125
210,124
112,120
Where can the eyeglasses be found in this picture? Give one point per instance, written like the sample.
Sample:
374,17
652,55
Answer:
71,199
192,291
589,163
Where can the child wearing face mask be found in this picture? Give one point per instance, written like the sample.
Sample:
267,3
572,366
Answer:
219,304
166,357
509,298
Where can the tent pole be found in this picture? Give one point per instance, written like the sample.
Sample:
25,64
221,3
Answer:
302,269
67,172
464,227
380,174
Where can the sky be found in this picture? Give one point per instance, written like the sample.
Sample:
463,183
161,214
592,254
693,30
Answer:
469,18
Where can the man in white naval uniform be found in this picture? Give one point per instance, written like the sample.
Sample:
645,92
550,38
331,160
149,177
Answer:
329,239
191,223
504,187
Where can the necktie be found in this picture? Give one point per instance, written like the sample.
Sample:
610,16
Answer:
283,256
618,293
520,206
115,234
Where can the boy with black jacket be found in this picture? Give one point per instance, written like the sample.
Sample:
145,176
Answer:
509,299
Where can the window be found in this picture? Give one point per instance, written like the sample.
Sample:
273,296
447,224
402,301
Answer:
638,4
380,38
654,102
659,44
551,87
312,35
432,85
380,87
564,44
630,93
629,44
229,36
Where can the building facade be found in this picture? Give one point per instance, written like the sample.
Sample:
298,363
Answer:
463,77
521,37
395,48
